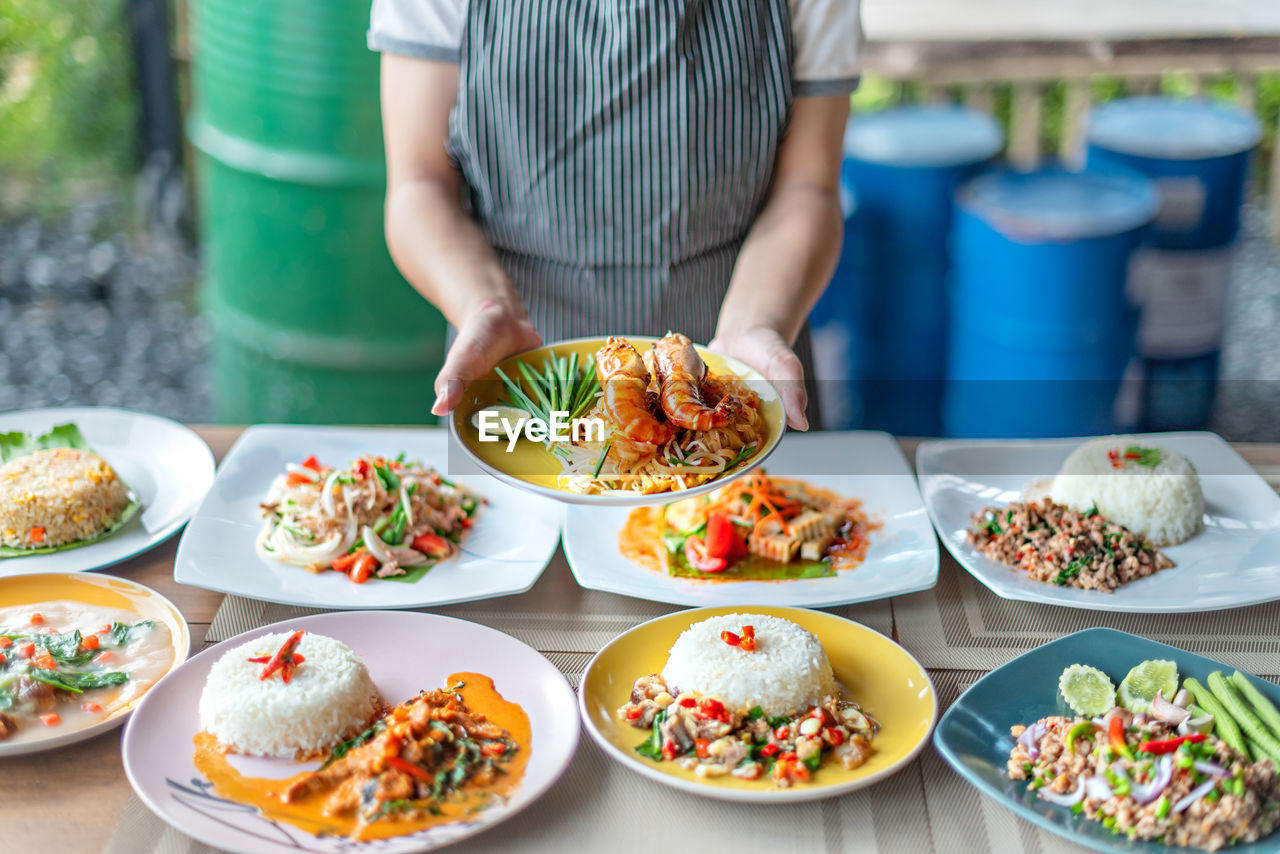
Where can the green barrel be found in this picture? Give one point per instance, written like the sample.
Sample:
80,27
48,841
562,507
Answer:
312,323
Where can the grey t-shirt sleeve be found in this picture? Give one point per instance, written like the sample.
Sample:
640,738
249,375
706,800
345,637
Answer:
828,39
422,29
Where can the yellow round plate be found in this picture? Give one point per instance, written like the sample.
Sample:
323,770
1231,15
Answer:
531,466
871,670
105,591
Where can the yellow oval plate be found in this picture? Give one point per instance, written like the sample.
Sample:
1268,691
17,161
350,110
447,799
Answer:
871,669
531,466
105,591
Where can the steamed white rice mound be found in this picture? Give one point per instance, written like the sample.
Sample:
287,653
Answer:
328,699
1162,502
787,673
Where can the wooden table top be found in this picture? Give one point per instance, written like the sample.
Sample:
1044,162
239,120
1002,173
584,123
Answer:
81,789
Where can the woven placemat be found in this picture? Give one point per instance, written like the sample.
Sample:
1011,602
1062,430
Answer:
962,625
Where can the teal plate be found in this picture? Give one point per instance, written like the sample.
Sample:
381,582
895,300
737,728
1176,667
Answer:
973,736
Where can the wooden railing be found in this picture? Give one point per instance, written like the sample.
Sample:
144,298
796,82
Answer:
1024,72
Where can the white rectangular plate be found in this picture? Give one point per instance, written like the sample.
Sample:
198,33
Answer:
512,541
1234,561
902,558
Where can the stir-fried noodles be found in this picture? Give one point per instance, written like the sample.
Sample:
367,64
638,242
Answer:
671,424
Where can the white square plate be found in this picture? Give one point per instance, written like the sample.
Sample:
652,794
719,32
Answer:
1234,561
512,541
167,466
902,558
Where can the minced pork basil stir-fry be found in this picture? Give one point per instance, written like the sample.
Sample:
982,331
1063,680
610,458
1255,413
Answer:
1064,546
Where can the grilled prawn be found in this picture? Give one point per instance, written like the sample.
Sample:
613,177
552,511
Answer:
680,371
624,380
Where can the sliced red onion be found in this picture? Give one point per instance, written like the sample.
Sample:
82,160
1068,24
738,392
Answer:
1097,788
1068,799
1030,739
1168,712
1211,768
1145,793
1194,795
1141,718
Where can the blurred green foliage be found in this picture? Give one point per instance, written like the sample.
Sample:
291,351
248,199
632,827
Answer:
877,92
67,95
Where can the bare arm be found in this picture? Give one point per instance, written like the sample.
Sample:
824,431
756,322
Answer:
790,252
437,247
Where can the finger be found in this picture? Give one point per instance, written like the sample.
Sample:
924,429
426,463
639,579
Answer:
787,372
481,343
470,357
794,400
448,395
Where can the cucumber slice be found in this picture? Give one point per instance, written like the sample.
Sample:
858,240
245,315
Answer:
1087,690
1139,688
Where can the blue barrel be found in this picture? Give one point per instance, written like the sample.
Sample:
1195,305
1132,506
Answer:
904,164
1182,299
1197,153
1041,329
837,355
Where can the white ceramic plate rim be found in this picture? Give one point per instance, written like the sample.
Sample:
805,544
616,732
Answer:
528,792
101,554
196,569
25,747
749,796
633,500
1005,583
620,576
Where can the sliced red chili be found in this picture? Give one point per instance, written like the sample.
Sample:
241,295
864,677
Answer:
1168,745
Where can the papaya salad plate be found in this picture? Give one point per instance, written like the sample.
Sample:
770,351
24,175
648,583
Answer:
337,517
1119,743
78,652
758,704
82,488
619,421
335,733
849,527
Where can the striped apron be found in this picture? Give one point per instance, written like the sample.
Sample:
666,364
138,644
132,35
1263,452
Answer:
616,152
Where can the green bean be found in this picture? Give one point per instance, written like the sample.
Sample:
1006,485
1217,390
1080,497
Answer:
1257,752
1223,724
1244,716
1264,707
